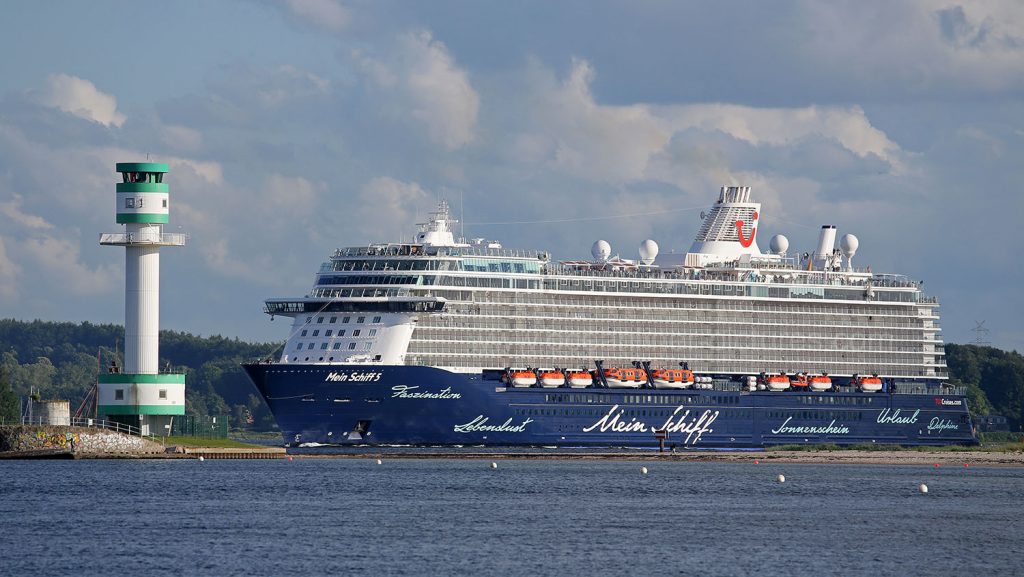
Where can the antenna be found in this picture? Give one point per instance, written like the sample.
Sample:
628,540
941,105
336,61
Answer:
980,334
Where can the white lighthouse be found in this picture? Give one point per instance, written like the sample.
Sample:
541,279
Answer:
140,394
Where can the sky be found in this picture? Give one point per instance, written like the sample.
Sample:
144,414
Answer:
295,127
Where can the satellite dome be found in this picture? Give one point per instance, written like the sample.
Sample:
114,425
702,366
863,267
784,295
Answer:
648,251
778,244
601,250
848,245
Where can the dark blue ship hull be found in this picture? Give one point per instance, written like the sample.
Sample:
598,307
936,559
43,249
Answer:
403,405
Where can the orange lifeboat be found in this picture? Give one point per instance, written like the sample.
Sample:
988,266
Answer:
672,378
580,379
625,378
551,379
871,384
820,383
776,382
523,378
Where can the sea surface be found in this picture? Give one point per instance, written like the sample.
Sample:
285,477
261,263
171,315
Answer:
527,517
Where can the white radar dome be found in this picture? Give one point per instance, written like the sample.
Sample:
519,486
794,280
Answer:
778,244
848,245
601,250
648,251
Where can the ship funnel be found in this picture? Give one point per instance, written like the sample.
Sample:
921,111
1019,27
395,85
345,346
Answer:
824,255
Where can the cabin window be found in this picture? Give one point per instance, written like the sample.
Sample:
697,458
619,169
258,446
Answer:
304,331
376,319
310,347
298,346
361,320
337,346
367,346
346,319
328,333
334,320
341,333
323,346
316,333
355,333
373,332
319,320
351,346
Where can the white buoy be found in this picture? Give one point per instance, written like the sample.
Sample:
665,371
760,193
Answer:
379,462
494,465
782,478
923,488
201,458
643,470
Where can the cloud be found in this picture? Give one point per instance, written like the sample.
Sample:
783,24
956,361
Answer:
12,210
328,15
181,138
387,208
59,260
81,98
572,132
421,78
9,273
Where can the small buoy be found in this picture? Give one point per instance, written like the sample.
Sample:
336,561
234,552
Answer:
379,462
782,478
643,470
923,488
201,458
966,465
494,465
289,457
936,464
756,462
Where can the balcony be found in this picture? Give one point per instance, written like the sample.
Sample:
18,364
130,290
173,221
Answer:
130,239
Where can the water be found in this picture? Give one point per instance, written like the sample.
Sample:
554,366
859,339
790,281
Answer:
441,517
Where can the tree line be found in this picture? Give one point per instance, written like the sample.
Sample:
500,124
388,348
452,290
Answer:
61,360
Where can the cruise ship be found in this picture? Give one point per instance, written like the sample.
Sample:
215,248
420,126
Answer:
443,341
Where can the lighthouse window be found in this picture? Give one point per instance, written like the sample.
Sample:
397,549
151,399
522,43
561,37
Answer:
163,393
119,395
165,203
129,202
351,346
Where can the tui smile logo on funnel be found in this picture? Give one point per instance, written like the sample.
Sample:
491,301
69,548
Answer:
746,242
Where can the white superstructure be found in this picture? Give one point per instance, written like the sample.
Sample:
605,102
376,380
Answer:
727,309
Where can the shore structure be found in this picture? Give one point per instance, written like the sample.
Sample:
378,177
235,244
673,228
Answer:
140,394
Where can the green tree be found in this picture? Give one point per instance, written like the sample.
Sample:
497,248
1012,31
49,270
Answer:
10,408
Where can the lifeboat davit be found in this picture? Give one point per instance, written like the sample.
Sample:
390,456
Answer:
800,381
672,378
625,378
580,379
551,379
523,378
820,383
868,384
776,382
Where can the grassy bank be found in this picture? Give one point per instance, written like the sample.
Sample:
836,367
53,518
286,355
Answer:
210,443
